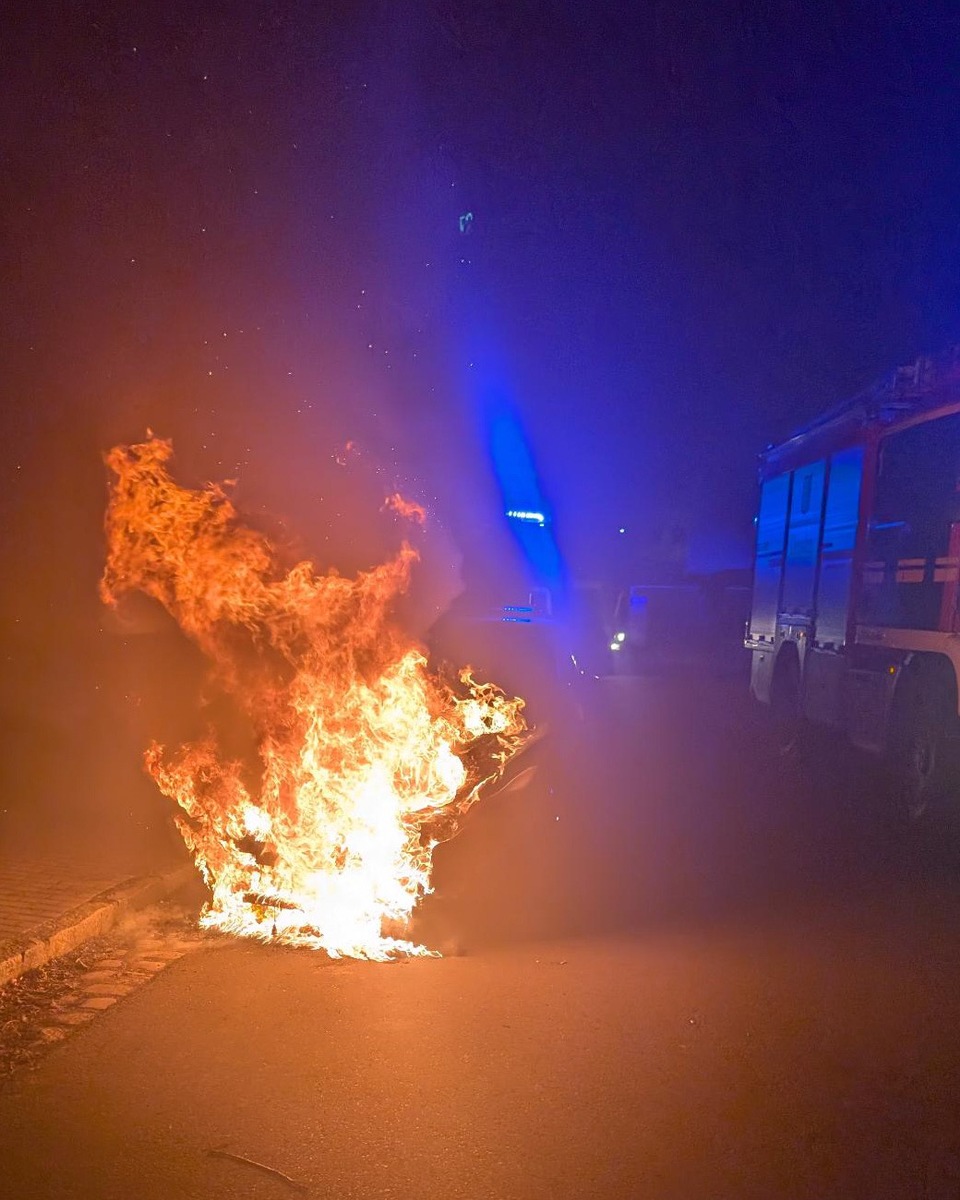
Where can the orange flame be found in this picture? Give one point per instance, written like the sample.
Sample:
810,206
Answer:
365,758
406,508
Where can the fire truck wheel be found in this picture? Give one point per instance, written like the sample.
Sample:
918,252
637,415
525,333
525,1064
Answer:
919,749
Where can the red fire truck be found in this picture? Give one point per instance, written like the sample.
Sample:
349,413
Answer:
855,619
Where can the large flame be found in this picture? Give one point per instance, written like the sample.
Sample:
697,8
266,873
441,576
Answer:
365,758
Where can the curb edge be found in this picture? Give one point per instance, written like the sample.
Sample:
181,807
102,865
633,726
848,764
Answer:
44,942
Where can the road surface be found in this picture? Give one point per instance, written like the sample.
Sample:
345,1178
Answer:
678,968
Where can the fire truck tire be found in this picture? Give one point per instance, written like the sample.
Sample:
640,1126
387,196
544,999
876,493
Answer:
919,746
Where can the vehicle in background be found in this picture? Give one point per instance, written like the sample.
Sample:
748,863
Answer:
854,620
553,649
693,622
517,640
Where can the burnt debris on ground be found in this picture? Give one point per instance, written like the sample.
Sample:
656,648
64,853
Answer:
43,1007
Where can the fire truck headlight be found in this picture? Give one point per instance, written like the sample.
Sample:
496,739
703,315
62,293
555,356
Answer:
614,645
620,637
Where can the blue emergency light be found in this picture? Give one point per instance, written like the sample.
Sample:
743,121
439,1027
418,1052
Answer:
522,514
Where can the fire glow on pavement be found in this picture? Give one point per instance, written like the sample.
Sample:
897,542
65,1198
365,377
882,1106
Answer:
365,757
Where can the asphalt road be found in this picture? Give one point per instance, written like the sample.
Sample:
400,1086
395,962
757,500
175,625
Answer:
679,968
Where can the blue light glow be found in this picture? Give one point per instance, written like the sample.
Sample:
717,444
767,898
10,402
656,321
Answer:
502,428
524,503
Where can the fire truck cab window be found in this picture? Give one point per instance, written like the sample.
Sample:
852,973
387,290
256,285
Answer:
915,529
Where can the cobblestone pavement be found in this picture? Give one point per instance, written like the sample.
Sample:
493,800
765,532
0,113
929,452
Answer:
37,887
43,1007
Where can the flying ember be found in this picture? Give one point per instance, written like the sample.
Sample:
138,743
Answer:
364,758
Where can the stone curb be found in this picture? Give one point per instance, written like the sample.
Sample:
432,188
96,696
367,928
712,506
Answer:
44,942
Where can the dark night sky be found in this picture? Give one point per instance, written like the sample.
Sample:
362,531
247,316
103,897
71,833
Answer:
695,225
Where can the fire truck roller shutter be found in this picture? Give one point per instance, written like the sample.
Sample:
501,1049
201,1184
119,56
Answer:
839,537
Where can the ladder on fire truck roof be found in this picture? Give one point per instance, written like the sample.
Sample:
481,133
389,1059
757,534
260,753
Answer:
906,389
